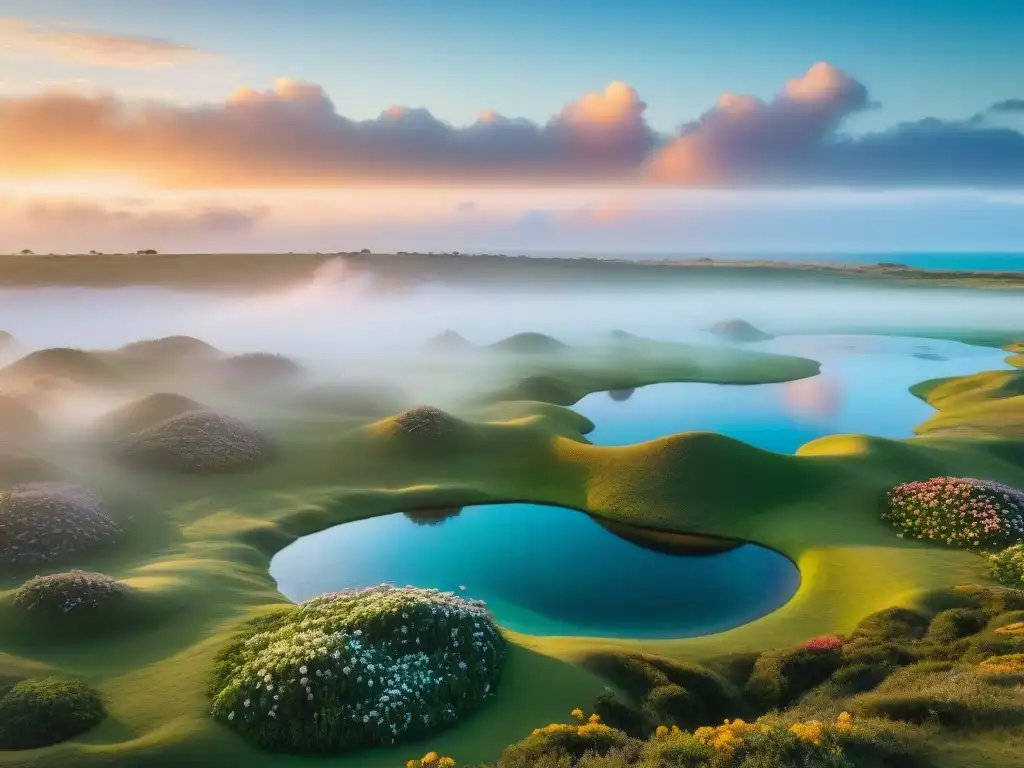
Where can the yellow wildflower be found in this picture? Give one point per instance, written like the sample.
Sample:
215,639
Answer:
595,718
844,722
704,735
661,733
810,731
1011,663
577,713
1017,628
430,760
412,764
445,762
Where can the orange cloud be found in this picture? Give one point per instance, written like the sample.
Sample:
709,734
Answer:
104,50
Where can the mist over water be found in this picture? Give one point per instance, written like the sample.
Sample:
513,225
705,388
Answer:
338,318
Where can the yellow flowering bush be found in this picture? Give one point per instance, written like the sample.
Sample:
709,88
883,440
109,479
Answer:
574,739
431,760
1008,664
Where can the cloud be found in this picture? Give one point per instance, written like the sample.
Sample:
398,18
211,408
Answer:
292,135
1009,105
103,50
77,225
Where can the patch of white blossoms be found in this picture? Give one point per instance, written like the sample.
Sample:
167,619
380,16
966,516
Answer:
359,668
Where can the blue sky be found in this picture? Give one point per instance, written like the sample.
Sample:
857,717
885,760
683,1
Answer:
528,57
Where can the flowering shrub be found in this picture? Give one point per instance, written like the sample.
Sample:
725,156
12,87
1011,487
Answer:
824,643
1007,566
431,760
357,669
959,511
590,735
39,712
198,442
60,593
40,522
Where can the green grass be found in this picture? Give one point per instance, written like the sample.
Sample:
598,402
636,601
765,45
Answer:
197,549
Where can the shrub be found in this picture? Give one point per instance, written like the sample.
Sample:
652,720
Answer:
41,711
40,522
425,421
558,741
891,624
959,511
621,395
622,716
72,591
823,644
955,623
1007,566
198,442
431,760
356,669
432,515
780,677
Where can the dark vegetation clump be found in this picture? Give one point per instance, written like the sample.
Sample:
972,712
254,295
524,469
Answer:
62,363
42,522
620,395
199,442
145,413
530,344
72,592
39,712
739,330
426,421
18,422
432,515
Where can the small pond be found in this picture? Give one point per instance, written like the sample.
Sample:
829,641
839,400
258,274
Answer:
862,388
544,570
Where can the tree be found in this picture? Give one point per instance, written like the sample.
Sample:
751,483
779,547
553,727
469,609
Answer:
27,252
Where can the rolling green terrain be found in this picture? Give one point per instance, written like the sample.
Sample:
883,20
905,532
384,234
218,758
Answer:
256,272
197,547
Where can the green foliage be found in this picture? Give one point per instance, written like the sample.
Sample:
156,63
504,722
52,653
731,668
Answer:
71,593
559,741
780,677
955,623
892,624
41,711
358,669
1007,566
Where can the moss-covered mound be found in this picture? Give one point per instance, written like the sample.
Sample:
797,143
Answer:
432,515
41,522
62,363
542,389
18,422
366,398
958,511
426,422
72,592
198,442
145,413
258,369
39,712
448,342
529,344
171,349
620,395
739,330
358,669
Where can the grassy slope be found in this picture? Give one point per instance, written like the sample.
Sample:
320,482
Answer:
263,271
199,550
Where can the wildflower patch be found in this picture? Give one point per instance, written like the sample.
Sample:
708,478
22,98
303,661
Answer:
958,511
358,669
76,592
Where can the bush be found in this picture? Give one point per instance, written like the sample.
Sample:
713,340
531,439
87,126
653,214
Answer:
622,716
955,623
357,669
780,677
41,711
958,511
75,592
824,644
561,740
891,624
621,395
198,442
1007,566
425,421
40,522
432,515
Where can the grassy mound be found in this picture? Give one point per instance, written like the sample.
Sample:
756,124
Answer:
368,398
72,592
958,511
426,422
18,422
145,413
739,330
170,349
39,712
358,669
73,365
529,344
542,389
448,342
198,442
621,395
41,522
433,515
258,369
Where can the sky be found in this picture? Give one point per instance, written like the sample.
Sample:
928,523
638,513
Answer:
706,125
